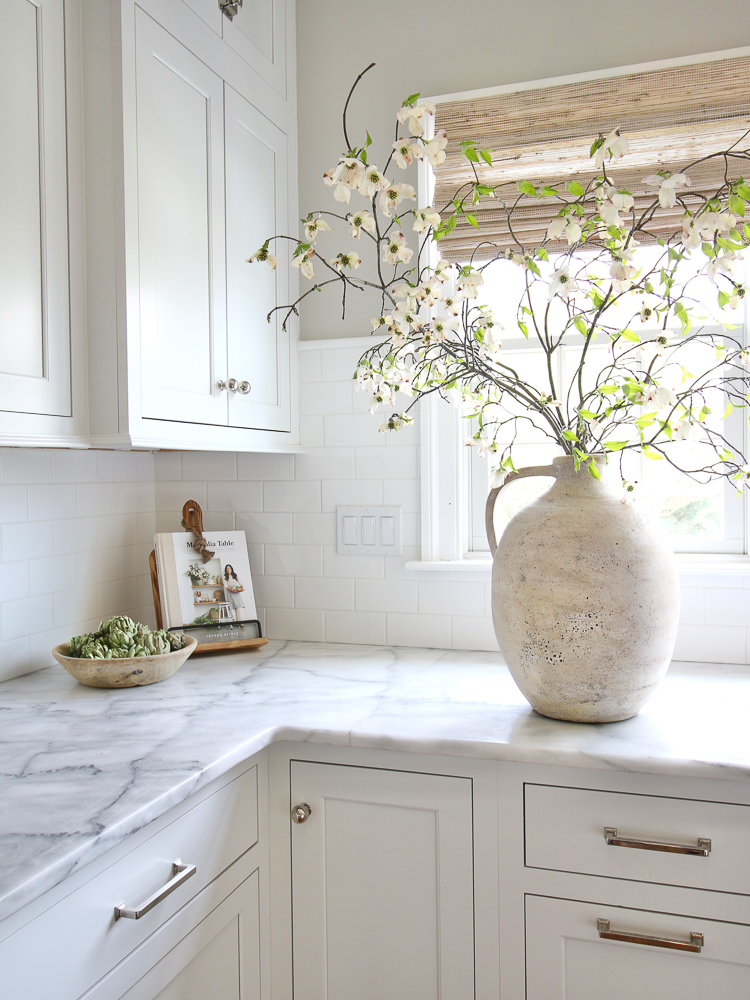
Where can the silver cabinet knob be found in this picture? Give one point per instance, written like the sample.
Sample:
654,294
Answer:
230,385
244,387
230,7
301,812
221,385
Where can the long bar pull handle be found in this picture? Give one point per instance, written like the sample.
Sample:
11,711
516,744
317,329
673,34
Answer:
695,943
701,851
180,873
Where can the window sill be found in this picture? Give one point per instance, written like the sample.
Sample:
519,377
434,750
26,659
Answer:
688,564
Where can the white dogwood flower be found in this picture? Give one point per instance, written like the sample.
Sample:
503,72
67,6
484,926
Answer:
469,283
396,251
315,226
562,284
425,217
264,255
393,194
359,221
614,144
415,115
434,150
372,181
667,187
404,152
304,262
350,260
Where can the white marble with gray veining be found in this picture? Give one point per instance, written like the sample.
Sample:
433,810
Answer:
83,768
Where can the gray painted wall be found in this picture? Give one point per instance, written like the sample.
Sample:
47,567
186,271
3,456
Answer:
437,47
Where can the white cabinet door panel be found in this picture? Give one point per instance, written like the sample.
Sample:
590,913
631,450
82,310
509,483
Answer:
256,192
218,960
567,960
382,877
34,310
258,33
181,230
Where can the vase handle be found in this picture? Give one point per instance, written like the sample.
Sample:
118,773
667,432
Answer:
489,510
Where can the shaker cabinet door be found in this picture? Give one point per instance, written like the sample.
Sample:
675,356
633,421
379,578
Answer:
179,121
256,196
34,292
382,885
566,959
257,32
218,960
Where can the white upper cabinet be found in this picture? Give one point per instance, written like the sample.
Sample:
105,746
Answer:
258,350
35,317
201,172
179,109
258,33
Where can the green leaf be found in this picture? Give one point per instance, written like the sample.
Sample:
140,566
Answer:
486,156
483,189
728,410
542,254
650,453
630,335
548,192
471,219
368,141
570,435
587,414
471,154
615,445
527,188
451,224
580,325
723,298
736,205
411,99
533,267
593,471
607,390
575,188
363,155
596,144
524,329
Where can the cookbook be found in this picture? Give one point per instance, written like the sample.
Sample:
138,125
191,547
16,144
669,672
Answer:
194,592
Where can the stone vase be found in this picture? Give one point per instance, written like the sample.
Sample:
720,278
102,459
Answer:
585,597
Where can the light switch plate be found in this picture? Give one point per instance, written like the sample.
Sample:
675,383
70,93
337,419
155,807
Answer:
368,531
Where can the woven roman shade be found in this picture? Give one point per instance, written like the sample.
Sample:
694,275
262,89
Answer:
671,117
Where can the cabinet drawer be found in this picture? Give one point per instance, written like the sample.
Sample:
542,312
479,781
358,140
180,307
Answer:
78,940
565,831
568,959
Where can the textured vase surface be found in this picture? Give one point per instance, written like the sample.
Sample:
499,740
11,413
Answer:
585,599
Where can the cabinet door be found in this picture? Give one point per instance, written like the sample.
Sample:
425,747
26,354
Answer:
256,193
258,33
382,885
34,314
218,960
179,118
567,960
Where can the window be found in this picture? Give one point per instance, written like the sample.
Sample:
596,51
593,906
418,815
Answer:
672,112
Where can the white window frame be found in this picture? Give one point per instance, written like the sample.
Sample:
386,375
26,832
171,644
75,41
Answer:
444,463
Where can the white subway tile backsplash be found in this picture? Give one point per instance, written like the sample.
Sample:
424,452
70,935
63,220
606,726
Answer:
386,463
172,495
117,530
728,607
311,433
75,604
51,500
433,631
97,499
267,526
233,496
14,658
291,496
29,540
473,633
116,467
325,397
209,465
274,591
710,644
293,560
47,575
309,366
339,364
133,497
167,466
693,606
351,430
262,467
386,595
14,581
23,618
436,598
74,466
325,463
356,626
314,529
14,503
353,567
26,465
352,492
403,493
293,623
324,593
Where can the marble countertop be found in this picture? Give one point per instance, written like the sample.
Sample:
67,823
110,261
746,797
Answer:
82,768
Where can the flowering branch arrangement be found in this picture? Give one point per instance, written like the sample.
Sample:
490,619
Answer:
582,281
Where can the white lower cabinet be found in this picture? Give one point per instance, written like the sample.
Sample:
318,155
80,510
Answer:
568,959
218,960
382,885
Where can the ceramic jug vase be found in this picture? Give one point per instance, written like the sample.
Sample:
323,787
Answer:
585,596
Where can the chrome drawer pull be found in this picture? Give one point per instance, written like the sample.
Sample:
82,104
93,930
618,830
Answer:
180,873
695,943
701,851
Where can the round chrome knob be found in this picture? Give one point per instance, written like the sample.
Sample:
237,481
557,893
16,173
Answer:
221,385
232,385
301,812
244,387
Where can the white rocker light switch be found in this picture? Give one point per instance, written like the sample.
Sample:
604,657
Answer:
368,531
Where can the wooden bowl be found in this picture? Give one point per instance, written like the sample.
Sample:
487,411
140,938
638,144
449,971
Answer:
130,671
